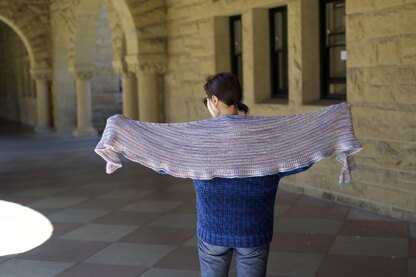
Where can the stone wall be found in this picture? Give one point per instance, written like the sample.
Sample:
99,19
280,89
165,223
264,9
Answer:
381,86
381,74
17,89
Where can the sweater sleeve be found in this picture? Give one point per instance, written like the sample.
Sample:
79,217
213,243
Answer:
295,171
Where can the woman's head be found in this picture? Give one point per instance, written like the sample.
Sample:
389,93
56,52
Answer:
225,87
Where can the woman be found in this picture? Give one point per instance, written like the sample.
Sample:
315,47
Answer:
234,214
236,163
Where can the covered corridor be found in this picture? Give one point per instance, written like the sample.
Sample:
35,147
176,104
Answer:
136,222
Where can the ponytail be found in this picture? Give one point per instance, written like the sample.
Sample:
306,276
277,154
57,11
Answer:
241,106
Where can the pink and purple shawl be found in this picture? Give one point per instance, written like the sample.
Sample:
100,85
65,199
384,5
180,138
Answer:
232,146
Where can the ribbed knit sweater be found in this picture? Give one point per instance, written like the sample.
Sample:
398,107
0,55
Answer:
237,212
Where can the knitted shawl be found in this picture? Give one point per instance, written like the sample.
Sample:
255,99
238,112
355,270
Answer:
232,146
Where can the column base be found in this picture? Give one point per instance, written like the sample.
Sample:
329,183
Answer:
43,129
87,132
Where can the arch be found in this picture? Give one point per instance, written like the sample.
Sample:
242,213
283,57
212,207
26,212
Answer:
128,26
23,38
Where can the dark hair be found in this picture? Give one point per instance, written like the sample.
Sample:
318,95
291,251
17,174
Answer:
226,86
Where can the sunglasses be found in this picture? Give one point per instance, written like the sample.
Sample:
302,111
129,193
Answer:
205,100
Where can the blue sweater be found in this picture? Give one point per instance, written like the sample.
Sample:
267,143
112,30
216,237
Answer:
237,212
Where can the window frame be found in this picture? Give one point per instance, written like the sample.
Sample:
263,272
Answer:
325,59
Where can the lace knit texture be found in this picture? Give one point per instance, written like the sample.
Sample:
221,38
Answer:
232,146
238,212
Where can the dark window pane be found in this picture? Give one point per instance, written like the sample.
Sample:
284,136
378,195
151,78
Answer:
278,52
236,39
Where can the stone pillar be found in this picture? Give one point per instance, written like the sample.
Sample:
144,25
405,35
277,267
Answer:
43,101
150,90
130,104
84,109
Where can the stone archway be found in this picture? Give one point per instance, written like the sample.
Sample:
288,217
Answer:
35,37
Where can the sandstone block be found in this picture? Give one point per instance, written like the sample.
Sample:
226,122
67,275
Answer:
391,196
408,49
382,24
355,28
380,4
388,51
359,6
388,124
361,53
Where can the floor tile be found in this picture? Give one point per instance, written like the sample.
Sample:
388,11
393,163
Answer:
284,198
77,215
412,248
361,214
171,195
319,212
192,241
79,192
60,228
362,266
411,268
127,218
152,206
40,191
280,210
374,228
301,243
57,202
100,270
103,204
308,226
370,246
126,194
32,268
175,220
166,236
185,185
143,255
100,232
412,230
307,200
293,264
188,207
159,272
183,257
64,250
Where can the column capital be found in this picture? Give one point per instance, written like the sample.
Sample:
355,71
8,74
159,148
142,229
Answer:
152,68
82,73
43,74
149,64
121,69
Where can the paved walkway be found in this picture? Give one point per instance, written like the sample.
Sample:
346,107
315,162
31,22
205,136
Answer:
136,222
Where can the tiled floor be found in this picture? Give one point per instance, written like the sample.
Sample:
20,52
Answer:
136,222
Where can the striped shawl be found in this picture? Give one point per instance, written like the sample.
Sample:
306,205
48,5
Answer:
233,145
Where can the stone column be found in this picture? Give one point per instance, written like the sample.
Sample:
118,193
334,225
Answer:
43,101
150,89
129,84
84,109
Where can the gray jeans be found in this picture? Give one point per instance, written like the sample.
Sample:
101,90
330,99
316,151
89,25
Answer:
215,260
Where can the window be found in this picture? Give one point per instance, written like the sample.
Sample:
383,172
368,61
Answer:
236,47
333,49
278,52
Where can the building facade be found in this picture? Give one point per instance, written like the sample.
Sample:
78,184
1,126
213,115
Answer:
68,65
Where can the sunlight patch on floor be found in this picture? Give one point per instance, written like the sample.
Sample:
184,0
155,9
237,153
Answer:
22,228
